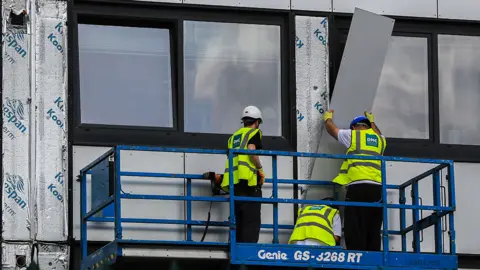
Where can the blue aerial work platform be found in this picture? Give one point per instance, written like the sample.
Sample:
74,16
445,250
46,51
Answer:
276,254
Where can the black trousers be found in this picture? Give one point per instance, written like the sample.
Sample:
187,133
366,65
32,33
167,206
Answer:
247,214
362,225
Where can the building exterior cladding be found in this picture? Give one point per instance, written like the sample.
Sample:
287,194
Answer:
182,70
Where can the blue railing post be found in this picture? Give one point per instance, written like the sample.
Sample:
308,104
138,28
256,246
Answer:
386,246
83,212
231,188
415,217
117,197
275,196
451,203
403,219
189,209
437,202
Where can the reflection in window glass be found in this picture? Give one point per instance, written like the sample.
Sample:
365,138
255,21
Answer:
401,103
459,89
228,67
125,76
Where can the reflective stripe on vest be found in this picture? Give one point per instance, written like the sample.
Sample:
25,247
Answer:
321,226
242,163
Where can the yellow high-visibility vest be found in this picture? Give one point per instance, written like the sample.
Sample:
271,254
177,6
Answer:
243,168
364,143
315,222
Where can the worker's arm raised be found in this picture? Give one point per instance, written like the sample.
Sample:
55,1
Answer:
329,125
371,118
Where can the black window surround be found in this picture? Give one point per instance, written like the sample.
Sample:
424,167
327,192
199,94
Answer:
143,14
416,148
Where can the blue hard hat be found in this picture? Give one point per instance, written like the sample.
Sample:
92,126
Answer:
359,119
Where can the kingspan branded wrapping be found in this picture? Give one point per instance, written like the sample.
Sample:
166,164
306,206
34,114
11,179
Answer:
52,143
311,59
34,134
16,102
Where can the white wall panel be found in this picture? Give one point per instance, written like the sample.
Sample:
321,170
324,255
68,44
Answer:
270,4
398,173
467,220
408,8
313,5
140,162
459,9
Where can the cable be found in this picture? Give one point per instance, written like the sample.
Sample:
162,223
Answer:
207,223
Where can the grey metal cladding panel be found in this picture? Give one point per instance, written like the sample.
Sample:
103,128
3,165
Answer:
459,9
407,8
270,4
312,5
362,62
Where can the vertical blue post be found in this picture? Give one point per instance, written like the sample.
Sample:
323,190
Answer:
83,212
233,240
451,203
117,200
386,245
189,209
403,219
415,217
437,202
275,196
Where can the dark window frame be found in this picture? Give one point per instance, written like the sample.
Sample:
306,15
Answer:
160,15
138,23
416,148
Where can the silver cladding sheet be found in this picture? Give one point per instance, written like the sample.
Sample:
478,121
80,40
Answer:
53,257
16,54
311,63
356,84
51,129
10,253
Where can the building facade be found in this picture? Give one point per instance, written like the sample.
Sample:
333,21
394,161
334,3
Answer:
82,76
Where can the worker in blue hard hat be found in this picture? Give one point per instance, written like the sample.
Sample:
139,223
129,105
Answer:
363,179
317,225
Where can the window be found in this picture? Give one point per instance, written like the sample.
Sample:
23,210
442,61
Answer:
228,66
459,89
125,76
401,104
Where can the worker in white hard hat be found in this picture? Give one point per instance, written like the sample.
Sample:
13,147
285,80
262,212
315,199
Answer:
363,179
248,175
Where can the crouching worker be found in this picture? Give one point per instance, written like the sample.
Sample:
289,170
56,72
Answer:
317,225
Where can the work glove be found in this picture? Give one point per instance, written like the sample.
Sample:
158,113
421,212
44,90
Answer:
327,115
261,177
370,116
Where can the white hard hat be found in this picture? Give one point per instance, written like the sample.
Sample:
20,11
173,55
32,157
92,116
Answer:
252,112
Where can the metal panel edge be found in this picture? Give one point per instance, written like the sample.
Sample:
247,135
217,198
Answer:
405,8
312,5
266,4
459,9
